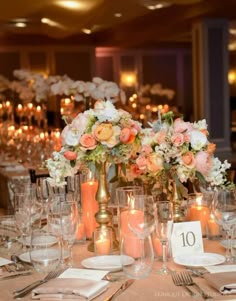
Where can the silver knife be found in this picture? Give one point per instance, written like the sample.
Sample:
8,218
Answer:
122,288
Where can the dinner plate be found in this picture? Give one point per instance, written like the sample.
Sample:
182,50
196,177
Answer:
199,260
52,253
110,263
224,243
41,241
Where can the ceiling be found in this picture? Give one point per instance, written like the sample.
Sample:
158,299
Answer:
134,26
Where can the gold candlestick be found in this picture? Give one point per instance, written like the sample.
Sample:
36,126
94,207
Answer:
103,216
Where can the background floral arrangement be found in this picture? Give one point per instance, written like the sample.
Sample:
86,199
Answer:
96,135
31,86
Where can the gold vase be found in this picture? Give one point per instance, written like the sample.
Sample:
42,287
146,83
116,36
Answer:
103,216
178,214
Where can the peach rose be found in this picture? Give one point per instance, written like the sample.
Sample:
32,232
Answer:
69,155
203,162
211,147
204,131
177,139
188,159
146,149
103,131
88,142
155,163
127,136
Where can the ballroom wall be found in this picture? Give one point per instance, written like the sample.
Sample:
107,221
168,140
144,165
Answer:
170,67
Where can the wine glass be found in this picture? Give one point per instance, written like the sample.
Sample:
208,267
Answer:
223,210
164,223
63,221
22,208
69,223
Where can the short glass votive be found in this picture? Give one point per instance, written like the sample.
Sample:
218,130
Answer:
103,241
213,230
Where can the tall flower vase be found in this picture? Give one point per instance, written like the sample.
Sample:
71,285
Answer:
177,199
103,216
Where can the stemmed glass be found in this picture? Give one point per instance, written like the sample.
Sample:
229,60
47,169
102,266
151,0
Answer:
63,222
223,210
22,213
69,223
164,223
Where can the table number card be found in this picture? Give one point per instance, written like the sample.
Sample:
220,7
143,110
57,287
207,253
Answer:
186,238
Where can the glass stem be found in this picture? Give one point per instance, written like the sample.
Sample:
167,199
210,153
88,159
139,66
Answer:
70,249
164,254
228,246
24,249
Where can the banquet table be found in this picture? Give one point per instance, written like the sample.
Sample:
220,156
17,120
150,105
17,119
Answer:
155,287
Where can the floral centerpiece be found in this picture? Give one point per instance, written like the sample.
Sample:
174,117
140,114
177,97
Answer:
101,134
174,152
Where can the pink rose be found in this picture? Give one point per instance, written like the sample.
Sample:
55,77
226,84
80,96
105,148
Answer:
188,159
147,149
69,155
88,142
177,139
141,161
181,126
161,136
203,162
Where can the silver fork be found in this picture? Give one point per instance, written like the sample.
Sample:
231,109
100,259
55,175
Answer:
189,281
178,281
24,291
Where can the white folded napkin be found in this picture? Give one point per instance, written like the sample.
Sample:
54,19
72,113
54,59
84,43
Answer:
4,261
224,282
221,268
78,289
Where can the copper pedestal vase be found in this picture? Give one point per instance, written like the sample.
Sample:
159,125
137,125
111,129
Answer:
103,216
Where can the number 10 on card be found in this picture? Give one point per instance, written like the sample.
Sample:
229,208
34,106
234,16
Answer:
186,238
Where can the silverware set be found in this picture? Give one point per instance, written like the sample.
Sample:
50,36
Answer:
185,280
26,290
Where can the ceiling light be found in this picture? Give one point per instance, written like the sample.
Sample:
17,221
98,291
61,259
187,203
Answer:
70,4
155,4
20,24
118,15
87,30
51,22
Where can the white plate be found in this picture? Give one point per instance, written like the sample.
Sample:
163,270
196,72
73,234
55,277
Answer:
224,243
110,263
26,256
41,241
199,260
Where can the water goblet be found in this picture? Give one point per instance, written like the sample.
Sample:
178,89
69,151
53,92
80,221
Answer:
164,223
223,210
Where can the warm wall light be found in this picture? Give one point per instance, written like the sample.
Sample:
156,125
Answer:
70,4
128,79
232,77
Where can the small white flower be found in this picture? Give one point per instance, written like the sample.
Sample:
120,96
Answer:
197,139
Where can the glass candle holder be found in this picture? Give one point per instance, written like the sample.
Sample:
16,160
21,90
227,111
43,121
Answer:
198,210
103,241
